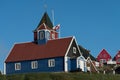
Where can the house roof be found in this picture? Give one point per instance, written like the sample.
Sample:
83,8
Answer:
32,51
86,53
118,53
45,19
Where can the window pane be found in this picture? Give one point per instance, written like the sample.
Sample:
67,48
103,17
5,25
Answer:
17,66
74,49
51,63
34,64
41,35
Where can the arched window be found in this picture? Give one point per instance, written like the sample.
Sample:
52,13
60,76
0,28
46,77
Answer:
41,35
47,35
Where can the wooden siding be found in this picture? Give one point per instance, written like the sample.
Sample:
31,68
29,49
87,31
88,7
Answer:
104,55
70,53
42,66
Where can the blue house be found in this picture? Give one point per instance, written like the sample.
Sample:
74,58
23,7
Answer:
47,53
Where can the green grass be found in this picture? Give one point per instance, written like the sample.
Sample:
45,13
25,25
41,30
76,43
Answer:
61,76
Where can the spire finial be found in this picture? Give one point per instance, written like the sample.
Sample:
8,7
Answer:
53,17
45,5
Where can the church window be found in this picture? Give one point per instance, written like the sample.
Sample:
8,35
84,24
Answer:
47,35
41,35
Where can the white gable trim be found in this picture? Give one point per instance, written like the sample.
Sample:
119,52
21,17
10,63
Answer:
69,47
66,58
10,51
78,46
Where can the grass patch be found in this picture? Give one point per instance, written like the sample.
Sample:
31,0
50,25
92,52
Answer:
60,76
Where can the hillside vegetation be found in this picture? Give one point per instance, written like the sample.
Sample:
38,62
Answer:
60,76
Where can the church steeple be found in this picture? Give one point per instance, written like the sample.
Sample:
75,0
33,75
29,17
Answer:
46,19
44,30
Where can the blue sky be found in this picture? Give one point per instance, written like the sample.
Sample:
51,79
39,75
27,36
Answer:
94,23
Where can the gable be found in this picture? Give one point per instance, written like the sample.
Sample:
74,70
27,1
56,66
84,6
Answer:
103,55
43,26
71,52
117,56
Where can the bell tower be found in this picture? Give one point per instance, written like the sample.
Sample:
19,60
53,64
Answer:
44,31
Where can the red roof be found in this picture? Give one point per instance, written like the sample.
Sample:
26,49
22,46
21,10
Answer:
32,51
117,56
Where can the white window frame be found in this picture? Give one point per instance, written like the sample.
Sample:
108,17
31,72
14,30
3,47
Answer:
42,35
51,63
48,35
17,66
103,61
34,64
74,50
53,36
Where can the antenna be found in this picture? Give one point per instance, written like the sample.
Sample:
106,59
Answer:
45,5
53,16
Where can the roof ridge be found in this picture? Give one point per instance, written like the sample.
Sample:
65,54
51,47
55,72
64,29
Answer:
61,38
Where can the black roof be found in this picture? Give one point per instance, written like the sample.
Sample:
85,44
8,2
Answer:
45,19
86,53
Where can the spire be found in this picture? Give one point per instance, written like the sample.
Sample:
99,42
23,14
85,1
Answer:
45,19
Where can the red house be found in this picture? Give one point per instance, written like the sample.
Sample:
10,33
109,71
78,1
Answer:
103,56
117,58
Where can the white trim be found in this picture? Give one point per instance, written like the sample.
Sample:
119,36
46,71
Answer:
41,35
79,59
53,36
34,64
73,38
77,46
46,35
17,66
44,30
11,50
69,47
4,68
66,64
51,63
45,25
74,50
